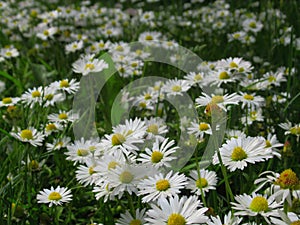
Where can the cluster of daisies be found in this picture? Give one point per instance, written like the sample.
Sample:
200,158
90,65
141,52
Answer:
137,159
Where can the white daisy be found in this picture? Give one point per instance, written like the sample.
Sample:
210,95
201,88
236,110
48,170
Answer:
175,87
9,101
125,178
58,144
199,129
286,219
207,181
156,128
159,155
284,186
74,46
220,100
160,186
251,101
89,64
221,77
253,115
150,38
235,134
252,25
30,135
63,117
175,211
137,219
51,96
290,128
86,174
235,64
55,196
71,87
255,205
195,79
273,143
52,128
33,96
237,153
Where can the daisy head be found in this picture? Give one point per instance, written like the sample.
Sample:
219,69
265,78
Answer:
137,219
177,211
30,135
55,196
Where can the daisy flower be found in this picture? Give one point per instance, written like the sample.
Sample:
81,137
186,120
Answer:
175,211
150,38
236,64
71,87
137,219
47,33
55,196
9,52
207,181
86,174
156,128
63,117
74,46
235,134
88,64
252,25
220,100
33,96
273,143
58,144
195,79
253,115
237,153
160,186
274,78
175,87
125,178
290,129
51,96
52,128
9,101
103,190
255,205
199,129
160,154
228,219
284,186
81,150
251,100
220,77
30,135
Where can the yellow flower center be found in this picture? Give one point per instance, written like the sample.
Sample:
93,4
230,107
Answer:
233,65
203,126
147,96
288,180
236,36
197,77
253,115
135,222
49,97
259,204
238,154
46,33
36,94
64,83
176,88
134,64
26,134
201,183
295,130
7,100
176,219
89,66
271,79
117,139
252,24
152,128
54,196
63,116
148,38
91,170
51,126
248,97
295,222
162,185
224,75
217,99
156,156
8,54
112,165
142,104
268,144
126,177
82,152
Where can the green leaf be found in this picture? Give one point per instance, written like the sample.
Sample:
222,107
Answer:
11,78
